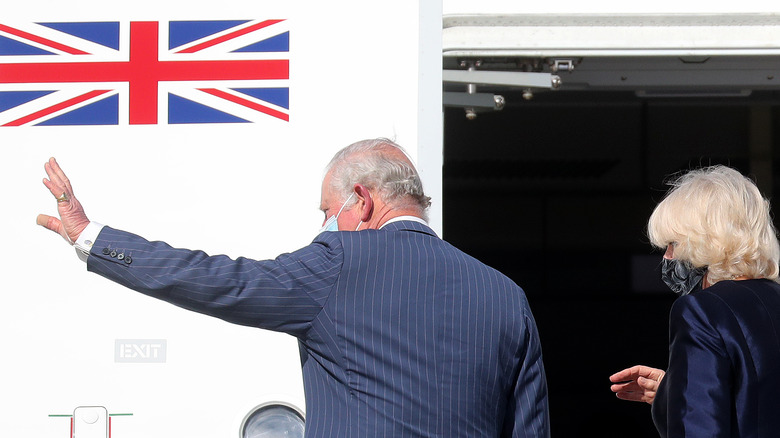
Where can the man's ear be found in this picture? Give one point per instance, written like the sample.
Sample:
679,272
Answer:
364,199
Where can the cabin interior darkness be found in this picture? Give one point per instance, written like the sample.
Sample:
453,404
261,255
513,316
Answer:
555,192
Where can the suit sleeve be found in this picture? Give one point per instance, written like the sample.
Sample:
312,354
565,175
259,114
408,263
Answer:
284,294
528,410
698,382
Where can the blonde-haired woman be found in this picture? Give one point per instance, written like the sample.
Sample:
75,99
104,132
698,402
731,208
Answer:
723,377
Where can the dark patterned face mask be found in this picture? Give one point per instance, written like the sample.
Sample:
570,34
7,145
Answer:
681,277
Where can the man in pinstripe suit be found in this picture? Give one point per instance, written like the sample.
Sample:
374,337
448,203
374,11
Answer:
401,334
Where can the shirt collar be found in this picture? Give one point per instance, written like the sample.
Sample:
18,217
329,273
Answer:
404,218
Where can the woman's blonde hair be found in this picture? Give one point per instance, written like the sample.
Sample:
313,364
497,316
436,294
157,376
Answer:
717,218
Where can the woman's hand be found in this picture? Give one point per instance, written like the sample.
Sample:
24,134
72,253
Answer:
638,383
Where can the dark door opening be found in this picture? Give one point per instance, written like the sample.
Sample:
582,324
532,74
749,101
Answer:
556,192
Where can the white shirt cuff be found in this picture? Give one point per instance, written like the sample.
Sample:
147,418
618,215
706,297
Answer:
86,239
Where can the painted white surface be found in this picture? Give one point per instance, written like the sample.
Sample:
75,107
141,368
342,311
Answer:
546,35
237,189
605,6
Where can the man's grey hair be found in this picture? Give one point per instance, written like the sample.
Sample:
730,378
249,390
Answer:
378,165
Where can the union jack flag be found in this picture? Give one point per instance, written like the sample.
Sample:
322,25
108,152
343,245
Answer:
118,73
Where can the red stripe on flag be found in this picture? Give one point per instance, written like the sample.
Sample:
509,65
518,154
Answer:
143,71
247,103
40,40
223,38
54,108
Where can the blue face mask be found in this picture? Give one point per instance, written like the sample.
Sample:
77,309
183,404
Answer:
332,224
681,277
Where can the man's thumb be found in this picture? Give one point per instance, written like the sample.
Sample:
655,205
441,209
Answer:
47,221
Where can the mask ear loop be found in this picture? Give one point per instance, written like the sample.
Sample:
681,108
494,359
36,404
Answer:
336,217
344,205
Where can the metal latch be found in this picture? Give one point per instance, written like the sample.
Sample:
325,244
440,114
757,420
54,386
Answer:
562,65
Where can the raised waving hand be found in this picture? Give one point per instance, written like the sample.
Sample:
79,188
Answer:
72,219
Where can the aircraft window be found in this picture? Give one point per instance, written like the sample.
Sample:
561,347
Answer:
273,420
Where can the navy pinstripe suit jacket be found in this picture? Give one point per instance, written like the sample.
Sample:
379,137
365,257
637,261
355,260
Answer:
401,334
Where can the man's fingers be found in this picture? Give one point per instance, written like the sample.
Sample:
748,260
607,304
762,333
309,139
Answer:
60,193
54,188
60,175
57,183
51,173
